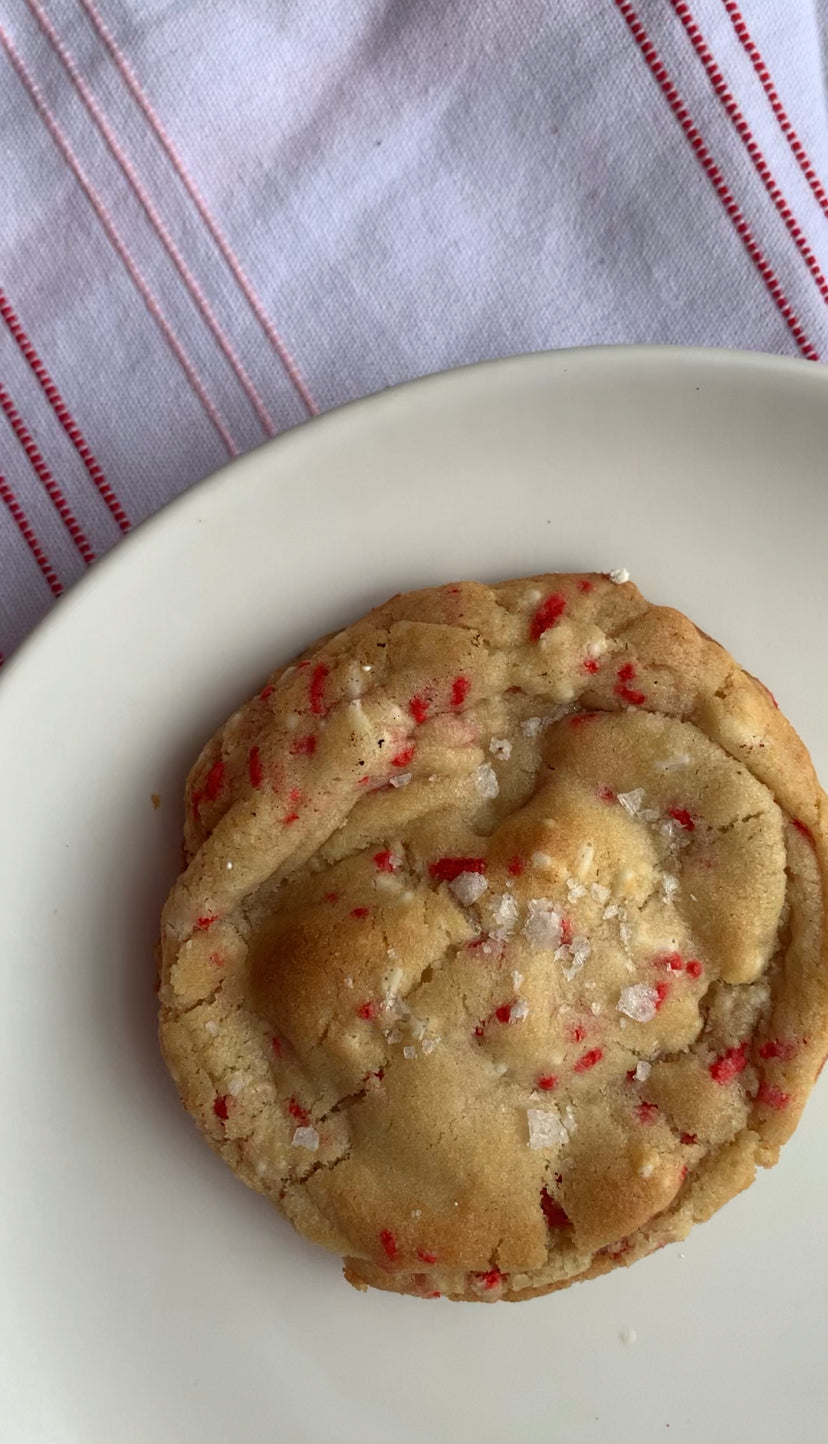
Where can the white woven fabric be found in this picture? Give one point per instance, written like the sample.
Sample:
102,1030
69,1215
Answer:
218,218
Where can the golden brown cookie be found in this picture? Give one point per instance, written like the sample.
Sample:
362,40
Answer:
500,954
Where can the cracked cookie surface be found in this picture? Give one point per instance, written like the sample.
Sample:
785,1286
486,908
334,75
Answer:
499,958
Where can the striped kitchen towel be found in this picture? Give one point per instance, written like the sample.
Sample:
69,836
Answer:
219,219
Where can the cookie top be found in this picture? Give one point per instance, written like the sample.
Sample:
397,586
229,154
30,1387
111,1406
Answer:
500,957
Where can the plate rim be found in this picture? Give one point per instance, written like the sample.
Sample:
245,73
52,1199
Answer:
714,357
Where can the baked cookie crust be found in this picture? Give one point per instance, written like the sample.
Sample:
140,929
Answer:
499,958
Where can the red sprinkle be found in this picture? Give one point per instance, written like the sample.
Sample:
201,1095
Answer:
579,718
783,1048
592,665
577,1032
266,692
625,675
673,961
646,1112
386,861
606,795
772,1097
389,1244
694,968
515,866
217,959
205,922
220,1107
803,828
304,746
682,817
403,758
276,1045
368,1011
547,1082
730,1065
553,1213
490,1280
480,1030
662,989
688,1139
585,585
358,913
317,689
426,1256
254,767
504,1013
419,707
459,691
566,932
331,897
589,1060
215,781
549,612
296,1111
446,869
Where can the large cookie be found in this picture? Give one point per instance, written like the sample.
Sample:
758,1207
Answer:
500,954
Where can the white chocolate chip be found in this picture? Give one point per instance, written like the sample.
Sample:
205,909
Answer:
485,780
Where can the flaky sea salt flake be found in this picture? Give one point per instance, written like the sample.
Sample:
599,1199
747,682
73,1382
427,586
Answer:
669,886
468,887
542,928
619,576
501,748
504,913
643,1070
631,801
639,1002
546,1128
530,726
401,780
306,1138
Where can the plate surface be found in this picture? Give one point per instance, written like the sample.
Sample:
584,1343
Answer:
147,1296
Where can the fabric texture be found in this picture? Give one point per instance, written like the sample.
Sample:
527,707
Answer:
218,220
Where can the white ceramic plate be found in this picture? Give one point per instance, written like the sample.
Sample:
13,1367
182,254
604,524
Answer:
146,1295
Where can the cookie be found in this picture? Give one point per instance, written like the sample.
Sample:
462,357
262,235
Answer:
499,958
